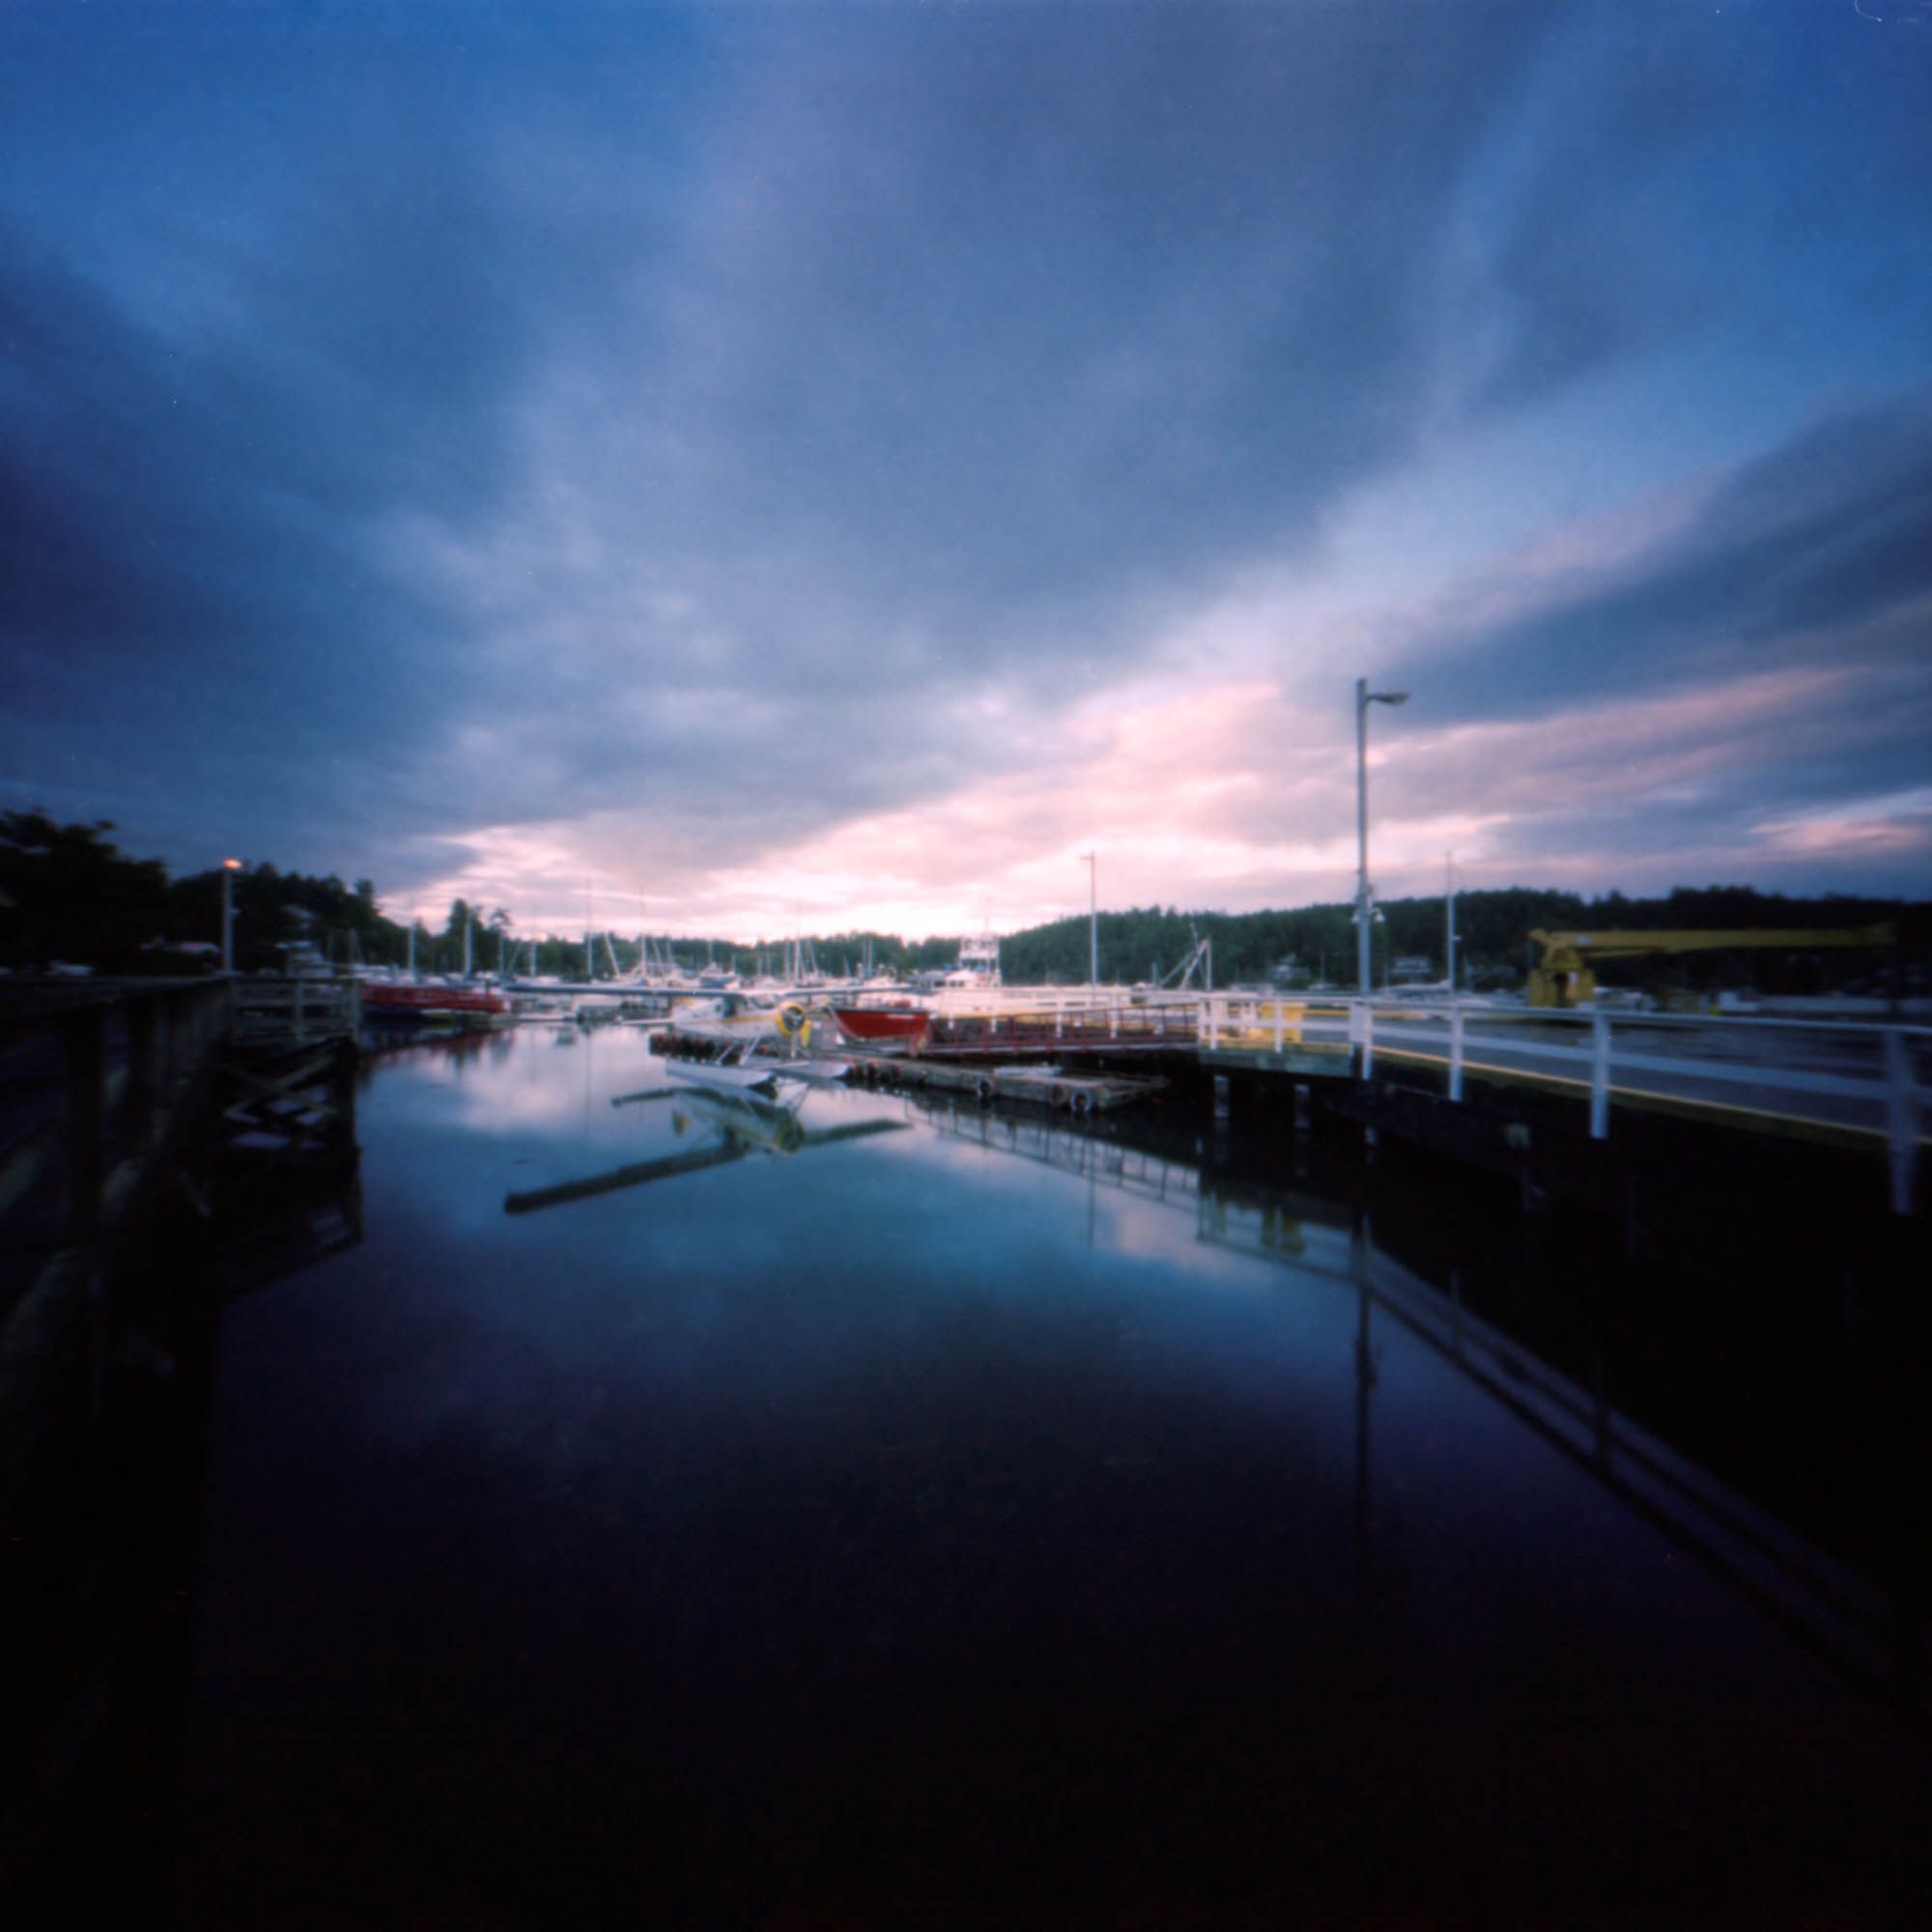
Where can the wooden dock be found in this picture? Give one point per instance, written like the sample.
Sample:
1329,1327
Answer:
267,1014
1049,1087
121,1104
164,1144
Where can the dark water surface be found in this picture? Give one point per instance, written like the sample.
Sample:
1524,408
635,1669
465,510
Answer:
952,1522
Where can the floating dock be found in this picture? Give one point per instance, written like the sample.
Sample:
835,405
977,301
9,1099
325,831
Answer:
1045,1087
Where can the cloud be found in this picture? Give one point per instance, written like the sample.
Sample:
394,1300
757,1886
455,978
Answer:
1894,826
758,460
973,353
1822,540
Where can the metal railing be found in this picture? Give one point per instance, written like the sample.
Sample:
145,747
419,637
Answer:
1851,1078
1844,1077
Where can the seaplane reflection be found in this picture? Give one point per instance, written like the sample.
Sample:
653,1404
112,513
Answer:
737,1122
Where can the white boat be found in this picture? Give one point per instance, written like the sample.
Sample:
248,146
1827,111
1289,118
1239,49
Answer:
977,969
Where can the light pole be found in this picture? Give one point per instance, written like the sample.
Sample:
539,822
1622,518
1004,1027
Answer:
1364,897
1093,913
1449,903
229,868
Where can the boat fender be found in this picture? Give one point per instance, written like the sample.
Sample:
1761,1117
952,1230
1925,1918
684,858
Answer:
983,1087
791,1020
1083,1101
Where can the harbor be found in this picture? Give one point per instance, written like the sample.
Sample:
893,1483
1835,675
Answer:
965,968
887,1392
959,1504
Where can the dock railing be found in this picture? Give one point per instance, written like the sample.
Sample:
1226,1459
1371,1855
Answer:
293,1013
1840,1080
1843,1078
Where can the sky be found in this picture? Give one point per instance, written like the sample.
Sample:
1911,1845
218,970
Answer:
745,469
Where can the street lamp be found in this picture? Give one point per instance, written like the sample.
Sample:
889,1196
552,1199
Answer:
1364,896
1093,913
229,868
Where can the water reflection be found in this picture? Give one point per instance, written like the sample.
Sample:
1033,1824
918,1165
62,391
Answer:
737,1124
1874,1641
978,1517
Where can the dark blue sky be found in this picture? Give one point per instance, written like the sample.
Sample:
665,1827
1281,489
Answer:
792,464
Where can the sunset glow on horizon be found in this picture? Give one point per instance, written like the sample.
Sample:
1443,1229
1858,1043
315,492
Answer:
746,471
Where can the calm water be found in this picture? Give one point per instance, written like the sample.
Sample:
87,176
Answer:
887,1519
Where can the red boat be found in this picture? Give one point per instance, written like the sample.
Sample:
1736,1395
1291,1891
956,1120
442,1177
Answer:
381,1002
882,1026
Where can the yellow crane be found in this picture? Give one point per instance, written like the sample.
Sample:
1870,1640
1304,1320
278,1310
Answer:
1564,977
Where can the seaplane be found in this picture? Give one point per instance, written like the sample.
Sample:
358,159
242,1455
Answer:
745,1060
739,1122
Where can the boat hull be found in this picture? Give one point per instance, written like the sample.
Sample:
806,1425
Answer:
431,1005
882,1026
432,1000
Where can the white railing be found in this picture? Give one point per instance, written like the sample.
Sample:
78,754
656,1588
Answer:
1863,1077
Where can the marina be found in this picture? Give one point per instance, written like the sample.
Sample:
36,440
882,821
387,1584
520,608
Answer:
985,1438
965,968
899,1503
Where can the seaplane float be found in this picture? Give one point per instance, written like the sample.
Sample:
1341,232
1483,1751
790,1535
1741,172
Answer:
745,1059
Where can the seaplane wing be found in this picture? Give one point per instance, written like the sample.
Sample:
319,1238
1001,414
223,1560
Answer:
636,1174
744,1124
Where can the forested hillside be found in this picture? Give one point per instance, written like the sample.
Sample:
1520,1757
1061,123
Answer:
67,893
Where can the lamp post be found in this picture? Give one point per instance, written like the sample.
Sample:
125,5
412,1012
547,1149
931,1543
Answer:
1094,915
1449,904
229,868
1364,896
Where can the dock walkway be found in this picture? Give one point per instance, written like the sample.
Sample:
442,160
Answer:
1050,1087
1843,1085
1848,1085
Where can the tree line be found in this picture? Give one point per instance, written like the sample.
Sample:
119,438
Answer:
67,893
1315,945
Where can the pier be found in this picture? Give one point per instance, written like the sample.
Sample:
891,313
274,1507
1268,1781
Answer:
126,1106
1483,1082
168,1145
